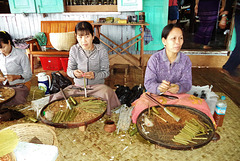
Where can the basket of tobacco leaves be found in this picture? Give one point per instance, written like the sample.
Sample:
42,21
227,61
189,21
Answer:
74,112
6,93
194,129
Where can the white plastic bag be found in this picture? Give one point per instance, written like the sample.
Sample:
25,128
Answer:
124,120
211,97
37,105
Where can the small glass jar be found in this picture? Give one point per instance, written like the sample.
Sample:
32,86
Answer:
94,2
102,2
141,17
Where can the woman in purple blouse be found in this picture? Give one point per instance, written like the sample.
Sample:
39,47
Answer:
169,70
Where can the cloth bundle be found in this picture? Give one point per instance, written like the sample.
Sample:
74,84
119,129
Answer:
21,43
147,35
41,38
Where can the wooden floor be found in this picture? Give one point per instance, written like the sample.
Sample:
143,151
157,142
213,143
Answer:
220,82
201,77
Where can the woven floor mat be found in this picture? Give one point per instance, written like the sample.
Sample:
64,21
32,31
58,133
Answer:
95,144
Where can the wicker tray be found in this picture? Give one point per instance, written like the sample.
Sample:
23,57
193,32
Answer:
27,131
162,133
6,93
69,124
8,157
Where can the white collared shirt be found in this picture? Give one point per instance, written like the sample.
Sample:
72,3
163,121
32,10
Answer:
16,63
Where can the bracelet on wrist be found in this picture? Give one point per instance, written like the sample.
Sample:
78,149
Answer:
224,15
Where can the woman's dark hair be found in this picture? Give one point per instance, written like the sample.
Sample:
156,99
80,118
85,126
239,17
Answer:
4,38
86,28
167,29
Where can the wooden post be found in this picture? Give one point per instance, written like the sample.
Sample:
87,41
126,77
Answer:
32,62
97,31
142,45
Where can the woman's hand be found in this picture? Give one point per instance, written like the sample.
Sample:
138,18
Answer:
11,78
174,88
164,86
78,73
223,22
89,75
221,10
2,78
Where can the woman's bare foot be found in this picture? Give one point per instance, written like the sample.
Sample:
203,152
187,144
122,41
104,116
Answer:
234,78
206,47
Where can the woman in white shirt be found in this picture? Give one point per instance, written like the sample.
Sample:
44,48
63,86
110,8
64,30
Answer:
15,69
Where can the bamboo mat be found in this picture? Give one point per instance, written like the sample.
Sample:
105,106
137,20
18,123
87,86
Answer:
95,144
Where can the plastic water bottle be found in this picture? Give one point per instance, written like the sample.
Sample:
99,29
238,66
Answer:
220,111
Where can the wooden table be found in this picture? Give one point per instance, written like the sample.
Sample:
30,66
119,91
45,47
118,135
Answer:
134,60
38,53
47,53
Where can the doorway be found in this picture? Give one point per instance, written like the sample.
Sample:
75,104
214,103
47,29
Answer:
4,6
190,23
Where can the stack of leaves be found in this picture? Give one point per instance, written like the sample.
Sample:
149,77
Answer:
8,141
191,131
93,106
65,116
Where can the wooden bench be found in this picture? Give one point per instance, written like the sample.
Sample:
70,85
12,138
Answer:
50,27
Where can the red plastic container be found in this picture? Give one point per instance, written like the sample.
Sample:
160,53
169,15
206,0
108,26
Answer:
51,63
64,62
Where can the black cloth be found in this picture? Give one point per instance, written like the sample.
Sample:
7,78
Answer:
229,4
21,93
234,59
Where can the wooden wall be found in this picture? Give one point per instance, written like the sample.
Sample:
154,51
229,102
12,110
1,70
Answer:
20,26
198,61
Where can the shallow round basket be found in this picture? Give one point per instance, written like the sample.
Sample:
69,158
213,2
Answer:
62,41
162,133
27,131
6,93
69,124
9,157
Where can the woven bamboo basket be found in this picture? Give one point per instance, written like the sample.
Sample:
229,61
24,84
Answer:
63,41
27,131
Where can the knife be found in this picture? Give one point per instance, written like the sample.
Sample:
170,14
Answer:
176,117
169,96
67,102
80,88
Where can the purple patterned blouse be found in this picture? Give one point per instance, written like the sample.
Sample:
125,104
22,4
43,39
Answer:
159,68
